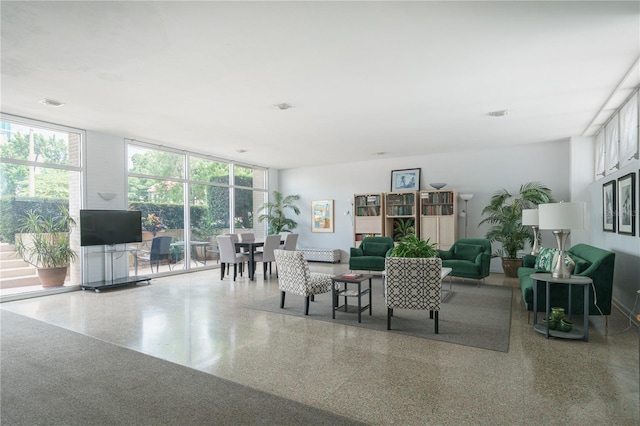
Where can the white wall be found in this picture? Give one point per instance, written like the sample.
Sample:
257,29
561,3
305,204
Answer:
626,276
479,172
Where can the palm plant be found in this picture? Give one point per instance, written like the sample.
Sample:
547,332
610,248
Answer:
402,228
274,213
504,214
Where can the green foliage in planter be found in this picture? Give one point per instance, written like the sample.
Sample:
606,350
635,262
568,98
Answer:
402,228
47,245
504,214
412,246
274,213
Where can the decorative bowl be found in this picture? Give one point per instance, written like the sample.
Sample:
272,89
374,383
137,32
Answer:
553,324
438,185
565,325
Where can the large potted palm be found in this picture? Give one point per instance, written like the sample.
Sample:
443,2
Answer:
274,213
44,243
504,214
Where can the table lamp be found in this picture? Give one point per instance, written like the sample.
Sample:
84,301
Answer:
561,218
466,198
530,218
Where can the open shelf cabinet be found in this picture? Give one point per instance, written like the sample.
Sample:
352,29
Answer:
368,216
401,214
438,217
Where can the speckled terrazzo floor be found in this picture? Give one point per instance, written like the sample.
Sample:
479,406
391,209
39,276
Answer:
199,321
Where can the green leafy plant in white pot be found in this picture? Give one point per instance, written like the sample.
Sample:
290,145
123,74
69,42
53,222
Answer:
45,244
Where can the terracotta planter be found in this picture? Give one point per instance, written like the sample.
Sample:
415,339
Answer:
510,267
52,277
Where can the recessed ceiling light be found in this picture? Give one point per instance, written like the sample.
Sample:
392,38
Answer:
241,151
283,106
51,103
500,113
380,153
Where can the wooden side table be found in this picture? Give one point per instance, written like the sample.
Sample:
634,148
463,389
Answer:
585,282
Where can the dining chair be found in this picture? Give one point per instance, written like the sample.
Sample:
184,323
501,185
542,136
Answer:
290,241
266,256
246,237
228,256
294,277
160,250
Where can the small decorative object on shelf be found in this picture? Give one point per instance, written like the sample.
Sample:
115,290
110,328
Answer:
438,185
565,325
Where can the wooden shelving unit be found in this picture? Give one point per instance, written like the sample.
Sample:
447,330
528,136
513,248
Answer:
368,216
438,217
401,214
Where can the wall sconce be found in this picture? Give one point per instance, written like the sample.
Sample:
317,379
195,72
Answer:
530,218
466,198
107,196
561,218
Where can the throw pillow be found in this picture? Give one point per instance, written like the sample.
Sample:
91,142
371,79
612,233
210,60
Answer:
568,261
375,249
544,261
467,251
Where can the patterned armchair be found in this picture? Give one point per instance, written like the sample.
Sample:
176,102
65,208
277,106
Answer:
413,283
294,277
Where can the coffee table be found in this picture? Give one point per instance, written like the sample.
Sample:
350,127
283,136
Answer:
345,292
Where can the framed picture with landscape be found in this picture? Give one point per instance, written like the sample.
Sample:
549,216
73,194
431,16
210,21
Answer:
405,180
626,204
609,206
322,216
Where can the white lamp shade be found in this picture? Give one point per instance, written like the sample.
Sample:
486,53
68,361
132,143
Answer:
530,217
557,216
466,197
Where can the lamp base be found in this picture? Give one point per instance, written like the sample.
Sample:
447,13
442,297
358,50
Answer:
535,250
560,270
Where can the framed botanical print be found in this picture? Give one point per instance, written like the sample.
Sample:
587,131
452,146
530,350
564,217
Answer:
405,180
626,204
609,206
322,216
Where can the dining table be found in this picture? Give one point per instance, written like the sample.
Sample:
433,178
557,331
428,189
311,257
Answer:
251,247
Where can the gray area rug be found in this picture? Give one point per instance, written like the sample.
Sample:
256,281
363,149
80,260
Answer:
53,376
470,316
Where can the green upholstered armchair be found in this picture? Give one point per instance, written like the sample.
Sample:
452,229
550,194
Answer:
468,258
371,254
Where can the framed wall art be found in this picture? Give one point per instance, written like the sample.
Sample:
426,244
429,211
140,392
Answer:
626,204
609,206
405,180
322,216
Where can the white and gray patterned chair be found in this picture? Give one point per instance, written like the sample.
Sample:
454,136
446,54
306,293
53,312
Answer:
413,283
294,277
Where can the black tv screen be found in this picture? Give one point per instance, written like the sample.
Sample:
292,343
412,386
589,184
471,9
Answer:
108,227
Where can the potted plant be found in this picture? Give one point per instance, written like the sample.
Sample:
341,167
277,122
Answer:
274,213
153,224
45,244
504,214
403,227
412,246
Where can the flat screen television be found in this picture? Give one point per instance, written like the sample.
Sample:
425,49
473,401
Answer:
108,227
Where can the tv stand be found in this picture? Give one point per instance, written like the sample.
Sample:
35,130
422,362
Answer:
98,286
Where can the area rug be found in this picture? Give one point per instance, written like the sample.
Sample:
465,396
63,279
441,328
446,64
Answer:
53,376
471,315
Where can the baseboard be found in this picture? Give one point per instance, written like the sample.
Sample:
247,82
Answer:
625,311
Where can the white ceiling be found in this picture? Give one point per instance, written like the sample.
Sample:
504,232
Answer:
403,78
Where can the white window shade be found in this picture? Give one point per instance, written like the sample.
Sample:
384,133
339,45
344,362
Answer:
629,131
611,162
599,154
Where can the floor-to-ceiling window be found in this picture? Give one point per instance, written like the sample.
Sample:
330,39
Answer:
40,172
221,197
